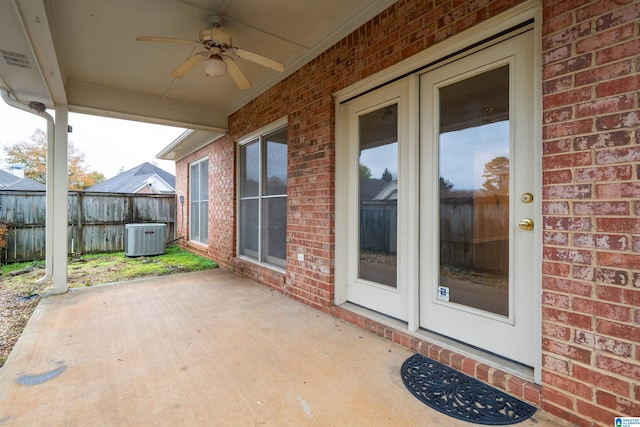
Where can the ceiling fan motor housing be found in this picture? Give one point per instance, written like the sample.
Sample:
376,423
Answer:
215,37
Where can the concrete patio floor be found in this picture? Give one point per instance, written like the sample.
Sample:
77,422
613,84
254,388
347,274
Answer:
206,348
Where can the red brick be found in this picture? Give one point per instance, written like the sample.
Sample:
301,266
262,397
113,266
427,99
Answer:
600,415
618,190
571,65
620,293
568,286
556,269
601,208
622,406
558,398
567,254
561,99
619,225
605,38
567,223
555,208
618,86
564,349
602,106
564,318
566,384
602,140
618,121
612,173
557,22
606,344
567,36
557,146
593,9
555,238
618,16
619,51
618,155
559,332
583,272
559,84
559,130
483,372
561,161
515,386
559,115
532,393
570,417
581,191
602,309
611,277
555,300
555,364
618,330
562,176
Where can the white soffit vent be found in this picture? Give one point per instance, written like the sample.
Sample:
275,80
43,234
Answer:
15,59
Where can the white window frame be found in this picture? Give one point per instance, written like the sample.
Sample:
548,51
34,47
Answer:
248,139
200,240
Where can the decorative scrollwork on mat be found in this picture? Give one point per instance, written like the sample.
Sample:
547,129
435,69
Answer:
459,395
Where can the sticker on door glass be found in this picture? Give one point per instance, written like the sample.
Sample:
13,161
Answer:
443,293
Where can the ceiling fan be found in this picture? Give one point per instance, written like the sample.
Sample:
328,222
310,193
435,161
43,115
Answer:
218,54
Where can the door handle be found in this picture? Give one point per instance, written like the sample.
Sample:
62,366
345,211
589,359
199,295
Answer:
526,224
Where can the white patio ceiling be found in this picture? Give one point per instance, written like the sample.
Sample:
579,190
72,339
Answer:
84,53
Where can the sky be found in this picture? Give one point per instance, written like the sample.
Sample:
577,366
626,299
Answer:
108,144
464,153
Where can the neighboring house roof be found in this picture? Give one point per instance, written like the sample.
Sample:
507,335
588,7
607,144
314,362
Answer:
144,178
9,181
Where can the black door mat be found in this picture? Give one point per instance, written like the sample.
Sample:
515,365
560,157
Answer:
460,396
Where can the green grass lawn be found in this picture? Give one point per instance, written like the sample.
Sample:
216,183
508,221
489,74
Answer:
93,269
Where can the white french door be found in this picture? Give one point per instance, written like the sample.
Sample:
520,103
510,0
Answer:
436,200
378,264
477,200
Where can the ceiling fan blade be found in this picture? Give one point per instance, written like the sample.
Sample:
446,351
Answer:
258,59
187,65
236,73
165,40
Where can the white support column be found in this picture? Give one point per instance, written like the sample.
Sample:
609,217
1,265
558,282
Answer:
60,200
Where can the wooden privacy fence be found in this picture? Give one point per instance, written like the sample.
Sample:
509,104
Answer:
474,231
96,221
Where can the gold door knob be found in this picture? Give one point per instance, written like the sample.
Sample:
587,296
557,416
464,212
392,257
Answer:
526,224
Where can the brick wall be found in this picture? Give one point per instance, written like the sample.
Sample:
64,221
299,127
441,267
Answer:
591,163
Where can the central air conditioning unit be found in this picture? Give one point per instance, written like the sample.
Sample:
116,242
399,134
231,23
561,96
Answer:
144,239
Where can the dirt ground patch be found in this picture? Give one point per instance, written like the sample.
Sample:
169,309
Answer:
19,294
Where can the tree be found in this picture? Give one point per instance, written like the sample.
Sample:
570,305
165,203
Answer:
365,172
33,156
496,174
386,175
445,185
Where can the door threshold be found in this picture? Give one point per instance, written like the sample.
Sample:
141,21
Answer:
524,372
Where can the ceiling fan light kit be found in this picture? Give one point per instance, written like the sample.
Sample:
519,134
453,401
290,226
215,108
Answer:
215,67
219,53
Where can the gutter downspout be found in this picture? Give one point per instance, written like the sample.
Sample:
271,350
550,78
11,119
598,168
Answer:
40,110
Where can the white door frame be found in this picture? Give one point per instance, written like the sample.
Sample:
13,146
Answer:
530,10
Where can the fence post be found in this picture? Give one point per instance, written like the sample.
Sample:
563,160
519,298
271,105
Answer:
80,233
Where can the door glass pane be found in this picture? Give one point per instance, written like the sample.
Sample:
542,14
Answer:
474,191
276,164
378,192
